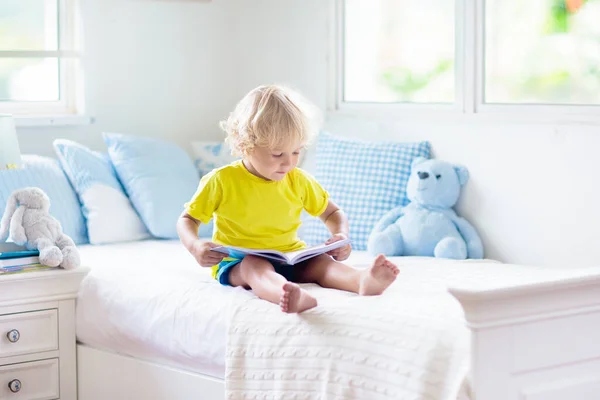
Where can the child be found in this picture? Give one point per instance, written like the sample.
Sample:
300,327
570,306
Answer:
256,202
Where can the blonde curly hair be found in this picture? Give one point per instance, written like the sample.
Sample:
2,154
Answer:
270,116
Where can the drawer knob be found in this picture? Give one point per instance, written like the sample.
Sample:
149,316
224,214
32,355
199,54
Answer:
14,385
13,336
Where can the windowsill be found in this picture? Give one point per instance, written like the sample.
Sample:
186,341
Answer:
52,120
448,115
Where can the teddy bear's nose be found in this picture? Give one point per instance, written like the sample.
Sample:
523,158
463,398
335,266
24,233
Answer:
423,175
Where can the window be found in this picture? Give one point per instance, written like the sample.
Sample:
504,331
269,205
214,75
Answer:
542,51
470,55
399,51
39,64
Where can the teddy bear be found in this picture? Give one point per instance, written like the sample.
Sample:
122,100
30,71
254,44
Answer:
29,223
428,225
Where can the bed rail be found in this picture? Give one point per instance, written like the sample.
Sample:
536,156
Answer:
537,339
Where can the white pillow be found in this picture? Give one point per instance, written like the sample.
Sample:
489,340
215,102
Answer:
109,215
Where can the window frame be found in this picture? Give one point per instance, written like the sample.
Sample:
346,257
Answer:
70,72
469,105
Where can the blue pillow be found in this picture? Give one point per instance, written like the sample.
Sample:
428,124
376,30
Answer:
109,215
158,176
46,174
365,179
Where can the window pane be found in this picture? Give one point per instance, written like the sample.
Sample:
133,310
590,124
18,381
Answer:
28,24
399,51
29,79
542,51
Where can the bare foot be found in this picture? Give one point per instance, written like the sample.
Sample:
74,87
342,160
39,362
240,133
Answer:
295,300
376,279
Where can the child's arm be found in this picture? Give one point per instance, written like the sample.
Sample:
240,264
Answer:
187,229
336,222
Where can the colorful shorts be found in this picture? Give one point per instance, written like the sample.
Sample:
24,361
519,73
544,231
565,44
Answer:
222,270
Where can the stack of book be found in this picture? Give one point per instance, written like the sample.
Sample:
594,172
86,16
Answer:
16,259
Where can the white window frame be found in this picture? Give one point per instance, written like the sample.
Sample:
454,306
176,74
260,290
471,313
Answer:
469,102
70,108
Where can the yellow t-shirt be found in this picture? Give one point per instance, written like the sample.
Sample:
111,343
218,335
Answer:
252,212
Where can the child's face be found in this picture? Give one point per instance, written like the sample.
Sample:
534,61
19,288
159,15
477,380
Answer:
274,164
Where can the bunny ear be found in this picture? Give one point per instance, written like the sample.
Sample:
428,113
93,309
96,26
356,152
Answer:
11,206
416,161
463,174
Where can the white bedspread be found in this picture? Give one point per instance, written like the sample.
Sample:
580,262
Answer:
409,343
150,300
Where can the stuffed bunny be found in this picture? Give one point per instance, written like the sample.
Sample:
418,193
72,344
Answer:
27,215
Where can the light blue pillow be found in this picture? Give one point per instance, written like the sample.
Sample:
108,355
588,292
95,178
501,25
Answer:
46,174
109,215
366,179
158,176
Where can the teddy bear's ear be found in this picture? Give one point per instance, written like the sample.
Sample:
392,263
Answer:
416,161
463,174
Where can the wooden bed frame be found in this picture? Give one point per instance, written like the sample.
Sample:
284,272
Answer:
533,342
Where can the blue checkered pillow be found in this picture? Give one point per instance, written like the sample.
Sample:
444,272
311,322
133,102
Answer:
366,179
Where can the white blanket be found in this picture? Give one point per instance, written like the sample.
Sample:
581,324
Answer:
409,343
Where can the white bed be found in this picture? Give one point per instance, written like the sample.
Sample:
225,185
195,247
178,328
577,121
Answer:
129,302
147,313
148,300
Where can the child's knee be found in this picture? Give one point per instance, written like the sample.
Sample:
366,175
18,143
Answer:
254,262
236,278
252,265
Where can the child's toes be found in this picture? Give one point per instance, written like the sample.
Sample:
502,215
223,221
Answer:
380,260
392,266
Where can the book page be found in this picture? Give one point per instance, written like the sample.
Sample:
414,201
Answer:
296,256
291,257
309,250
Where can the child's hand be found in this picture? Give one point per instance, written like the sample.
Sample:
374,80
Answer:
341,253
201,250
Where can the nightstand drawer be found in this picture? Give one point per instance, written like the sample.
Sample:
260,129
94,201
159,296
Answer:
28,332
37,380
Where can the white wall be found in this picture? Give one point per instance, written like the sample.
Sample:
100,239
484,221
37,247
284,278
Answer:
532,195
153,67
282,42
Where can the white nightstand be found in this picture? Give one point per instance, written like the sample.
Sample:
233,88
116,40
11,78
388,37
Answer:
37,335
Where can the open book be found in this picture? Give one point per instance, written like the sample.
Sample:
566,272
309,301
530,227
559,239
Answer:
292,257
